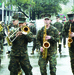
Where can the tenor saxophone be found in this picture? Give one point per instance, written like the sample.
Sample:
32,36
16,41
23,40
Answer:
46,44
69,38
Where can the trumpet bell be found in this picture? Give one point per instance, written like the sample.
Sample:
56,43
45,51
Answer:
25,29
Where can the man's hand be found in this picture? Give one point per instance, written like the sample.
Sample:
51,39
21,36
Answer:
72,34
18,33
59,33
47,37
41,49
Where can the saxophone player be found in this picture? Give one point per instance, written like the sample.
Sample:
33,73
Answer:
70,26
19,57
52,36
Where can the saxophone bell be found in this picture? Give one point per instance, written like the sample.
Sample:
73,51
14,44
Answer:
69,38
46,44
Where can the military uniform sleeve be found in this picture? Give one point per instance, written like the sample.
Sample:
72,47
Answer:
38,42
55,37
66,29
29,36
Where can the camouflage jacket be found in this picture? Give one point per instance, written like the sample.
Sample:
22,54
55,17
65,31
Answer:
19,45
66,30
59,26
33,30
53,32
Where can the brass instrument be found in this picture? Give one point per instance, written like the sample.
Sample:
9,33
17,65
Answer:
46,44
24,29
69,38
20,72
1,28
7,38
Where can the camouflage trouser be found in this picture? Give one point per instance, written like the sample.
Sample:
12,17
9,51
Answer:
1,44
16,63
42,63
60,44
34,44
72,59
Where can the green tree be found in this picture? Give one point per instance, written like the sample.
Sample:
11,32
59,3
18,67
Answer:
72,8
48,6
21,4
37,7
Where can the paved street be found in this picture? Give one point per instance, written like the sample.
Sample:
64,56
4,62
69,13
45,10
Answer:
63,63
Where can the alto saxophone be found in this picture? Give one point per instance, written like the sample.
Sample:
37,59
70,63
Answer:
46,44
7,38
69,38
1,28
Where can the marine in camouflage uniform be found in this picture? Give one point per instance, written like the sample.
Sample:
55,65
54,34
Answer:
52,37
64,37
59,26
11,28
19,55
1,37
33,30
4,27
66,33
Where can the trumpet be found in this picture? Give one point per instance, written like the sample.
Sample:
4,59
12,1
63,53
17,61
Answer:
25,30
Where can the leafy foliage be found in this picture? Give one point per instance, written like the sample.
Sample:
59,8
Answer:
39,6
72,8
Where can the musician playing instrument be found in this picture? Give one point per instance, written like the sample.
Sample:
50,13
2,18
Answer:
2,34
11,28
69,32
52,36
19,55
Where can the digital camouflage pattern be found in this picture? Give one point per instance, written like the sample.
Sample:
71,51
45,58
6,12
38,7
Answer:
71,49
59,26
19,55
33,30
51,52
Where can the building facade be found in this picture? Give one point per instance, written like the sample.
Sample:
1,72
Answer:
6,12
